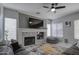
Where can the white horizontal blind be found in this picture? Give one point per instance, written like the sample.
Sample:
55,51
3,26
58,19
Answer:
60,30
10,29
48,30
54,30
76,29
57,29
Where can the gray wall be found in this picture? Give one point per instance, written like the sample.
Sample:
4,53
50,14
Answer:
1,24
68,32
23,20
9,13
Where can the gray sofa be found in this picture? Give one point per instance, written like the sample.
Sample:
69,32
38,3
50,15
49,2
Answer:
52,40
74,50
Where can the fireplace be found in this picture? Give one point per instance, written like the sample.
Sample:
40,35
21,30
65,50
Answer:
29,40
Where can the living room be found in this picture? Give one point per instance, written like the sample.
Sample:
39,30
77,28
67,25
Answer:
39,28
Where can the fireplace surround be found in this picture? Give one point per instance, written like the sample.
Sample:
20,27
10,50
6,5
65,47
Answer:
26,32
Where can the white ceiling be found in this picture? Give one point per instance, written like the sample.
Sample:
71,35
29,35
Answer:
32,8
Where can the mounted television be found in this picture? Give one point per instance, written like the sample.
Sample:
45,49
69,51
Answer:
35,23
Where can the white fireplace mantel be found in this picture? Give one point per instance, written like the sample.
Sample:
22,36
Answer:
25,30
31,30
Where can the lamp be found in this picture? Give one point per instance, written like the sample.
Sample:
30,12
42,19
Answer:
53,9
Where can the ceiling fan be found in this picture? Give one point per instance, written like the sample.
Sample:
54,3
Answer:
54,7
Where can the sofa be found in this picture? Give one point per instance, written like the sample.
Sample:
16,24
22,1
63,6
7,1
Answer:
74,50
18,49
52,40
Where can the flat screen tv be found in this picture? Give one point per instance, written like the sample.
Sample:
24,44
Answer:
35,23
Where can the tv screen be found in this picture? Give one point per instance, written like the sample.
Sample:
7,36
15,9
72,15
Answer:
35,23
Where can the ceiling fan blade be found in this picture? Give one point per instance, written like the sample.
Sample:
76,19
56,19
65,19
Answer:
60,7
54,4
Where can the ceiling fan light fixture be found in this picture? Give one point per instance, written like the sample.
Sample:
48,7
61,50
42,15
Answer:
53,9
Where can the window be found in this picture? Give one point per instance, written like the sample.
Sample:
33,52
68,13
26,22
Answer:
48,30
54,33
76,29
57,29
10,29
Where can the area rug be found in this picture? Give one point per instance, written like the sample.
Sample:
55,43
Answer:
48,49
